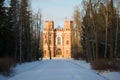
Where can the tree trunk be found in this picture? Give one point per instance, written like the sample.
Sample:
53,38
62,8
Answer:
20,34
116,37
106,40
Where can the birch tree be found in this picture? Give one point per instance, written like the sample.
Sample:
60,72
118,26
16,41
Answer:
117,29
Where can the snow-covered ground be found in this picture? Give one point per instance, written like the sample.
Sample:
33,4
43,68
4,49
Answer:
59,69
112,75
107,74
3,77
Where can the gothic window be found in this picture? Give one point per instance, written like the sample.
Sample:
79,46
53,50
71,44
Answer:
67,42
58,40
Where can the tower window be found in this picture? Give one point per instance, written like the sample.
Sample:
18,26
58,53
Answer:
58,40
67,42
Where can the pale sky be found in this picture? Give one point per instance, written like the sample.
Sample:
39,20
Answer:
56,10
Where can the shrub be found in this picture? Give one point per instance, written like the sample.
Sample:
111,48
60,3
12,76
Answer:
106,64
6,65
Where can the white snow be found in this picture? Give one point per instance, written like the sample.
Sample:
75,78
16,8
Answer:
26,66
3,77
112,75
59,69
81,63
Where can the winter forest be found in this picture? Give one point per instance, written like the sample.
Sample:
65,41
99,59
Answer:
95,34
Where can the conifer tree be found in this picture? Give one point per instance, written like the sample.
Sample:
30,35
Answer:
6,31
24,30
2,25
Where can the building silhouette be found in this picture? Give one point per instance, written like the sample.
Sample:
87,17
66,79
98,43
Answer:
57,41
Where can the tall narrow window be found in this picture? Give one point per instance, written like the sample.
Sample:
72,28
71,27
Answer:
58,40
67,42
49,41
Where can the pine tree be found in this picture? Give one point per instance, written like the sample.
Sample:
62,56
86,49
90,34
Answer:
6,31
24,30
13,15
2,25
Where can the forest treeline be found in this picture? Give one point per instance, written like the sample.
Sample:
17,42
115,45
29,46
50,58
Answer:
96,31
20,31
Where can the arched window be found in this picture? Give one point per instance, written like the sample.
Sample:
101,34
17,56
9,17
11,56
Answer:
59,52
58,40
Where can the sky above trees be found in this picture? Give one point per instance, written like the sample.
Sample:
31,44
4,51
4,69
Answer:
56,10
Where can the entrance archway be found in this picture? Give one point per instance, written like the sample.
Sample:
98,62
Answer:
58,52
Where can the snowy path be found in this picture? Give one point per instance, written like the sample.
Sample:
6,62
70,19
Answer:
57,70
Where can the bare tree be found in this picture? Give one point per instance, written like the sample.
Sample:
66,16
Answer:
93,15
37,31
106,29
48,41
76,32
91,25
39,23
116,36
